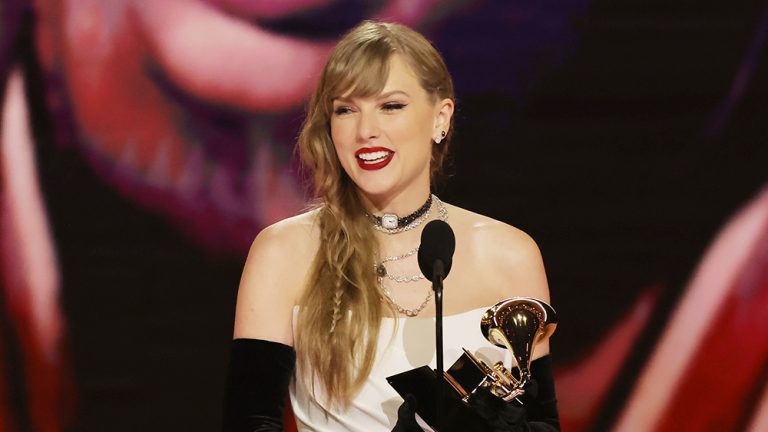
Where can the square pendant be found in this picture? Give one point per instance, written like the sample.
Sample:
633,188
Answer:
389,221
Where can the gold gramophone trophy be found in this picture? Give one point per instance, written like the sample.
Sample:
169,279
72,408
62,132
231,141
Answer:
517,324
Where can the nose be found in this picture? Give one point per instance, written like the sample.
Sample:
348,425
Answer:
367,126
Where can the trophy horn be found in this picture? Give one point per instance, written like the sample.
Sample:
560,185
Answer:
518,324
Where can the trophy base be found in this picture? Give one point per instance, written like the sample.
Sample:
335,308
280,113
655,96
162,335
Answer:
422,384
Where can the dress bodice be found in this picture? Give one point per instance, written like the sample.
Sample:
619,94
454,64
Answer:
410,346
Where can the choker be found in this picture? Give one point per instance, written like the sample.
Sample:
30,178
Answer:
390,223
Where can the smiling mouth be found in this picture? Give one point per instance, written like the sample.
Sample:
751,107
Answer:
373,157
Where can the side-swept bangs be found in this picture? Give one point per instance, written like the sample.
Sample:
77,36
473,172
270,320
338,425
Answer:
356,71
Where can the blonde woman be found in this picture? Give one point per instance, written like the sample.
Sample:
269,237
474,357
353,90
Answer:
332,301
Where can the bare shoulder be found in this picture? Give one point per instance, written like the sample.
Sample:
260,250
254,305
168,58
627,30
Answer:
505,257
286,238
274,277
498,260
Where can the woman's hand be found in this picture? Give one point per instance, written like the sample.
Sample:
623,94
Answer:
406,416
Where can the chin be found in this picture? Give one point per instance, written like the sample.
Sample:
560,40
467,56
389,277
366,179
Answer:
375,190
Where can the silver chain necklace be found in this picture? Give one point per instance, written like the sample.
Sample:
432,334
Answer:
381,271
400,309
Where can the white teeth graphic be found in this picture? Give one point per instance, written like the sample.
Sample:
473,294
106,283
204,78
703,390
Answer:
373,157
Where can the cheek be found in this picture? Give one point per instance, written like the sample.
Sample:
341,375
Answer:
340,145
416,135
339,135
416,127
336,139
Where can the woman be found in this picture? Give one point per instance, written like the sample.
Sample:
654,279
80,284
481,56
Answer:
337,290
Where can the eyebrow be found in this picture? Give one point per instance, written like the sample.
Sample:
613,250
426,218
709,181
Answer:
392,93
381,96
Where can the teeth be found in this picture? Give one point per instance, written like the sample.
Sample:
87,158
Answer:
374,156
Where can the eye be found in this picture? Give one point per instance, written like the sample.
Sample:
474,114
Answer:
341,110
393,106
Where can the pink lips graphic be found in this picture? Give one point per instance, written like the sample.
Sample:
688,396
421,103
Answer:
147,107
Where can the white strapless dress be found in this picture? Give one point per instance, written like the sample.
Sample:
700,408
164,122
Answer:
374,409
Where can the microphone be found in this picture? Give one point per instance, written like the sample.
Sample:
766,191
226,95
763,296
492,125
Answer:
435,258
436,251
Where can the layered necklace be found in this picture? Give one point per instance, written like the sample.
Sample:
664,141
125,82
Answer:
391,223
397,225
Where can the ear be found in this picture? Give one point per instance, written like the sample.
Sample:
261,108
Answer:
444,112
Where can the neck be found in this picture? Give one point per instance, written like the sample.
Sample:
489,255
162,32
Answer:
401,204
396,242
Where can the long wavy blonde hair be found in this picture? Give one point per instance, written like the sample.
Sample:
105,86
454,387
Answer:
341,310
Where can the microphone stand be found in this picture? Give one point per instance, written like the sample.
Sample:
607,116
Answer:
437,286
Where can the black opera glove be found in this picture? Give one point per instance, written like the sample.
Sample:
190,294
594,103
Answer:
406,416
257,385
539,410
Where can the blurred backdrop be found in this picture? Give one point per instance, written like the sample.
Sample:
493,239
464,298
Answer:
145,143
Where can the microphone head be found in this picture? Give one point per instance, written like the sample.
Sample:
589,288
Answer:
437,244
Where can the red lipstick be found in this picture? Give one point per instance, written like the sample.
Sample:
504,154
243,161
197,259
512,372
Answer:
373,158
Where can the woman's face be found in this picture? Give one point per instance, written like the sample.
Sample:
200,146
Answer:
384,142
